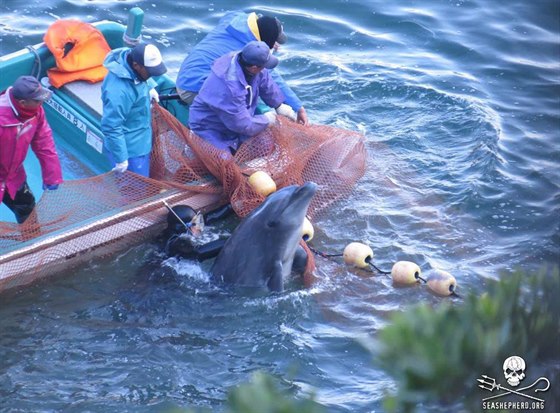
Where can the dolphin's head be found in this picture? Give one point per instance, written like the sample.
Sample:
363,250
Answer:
280,220
284,210
261,250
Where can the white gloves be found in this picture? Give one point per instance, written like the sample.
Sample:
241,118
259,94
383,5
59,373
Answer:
271,117
283,110
154,95
286,111
121,167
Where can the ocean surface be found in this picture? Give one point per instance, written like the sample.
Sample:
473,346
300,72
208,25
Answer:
460,105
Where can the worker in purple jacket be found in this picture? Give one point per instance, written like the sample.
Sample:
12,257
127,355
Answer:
223,113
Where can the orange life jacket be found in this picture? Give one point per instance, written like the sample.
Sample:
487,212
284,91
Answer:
78,49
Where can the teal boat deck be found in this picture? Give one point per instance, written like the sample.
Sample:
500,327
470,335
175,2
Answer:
74,114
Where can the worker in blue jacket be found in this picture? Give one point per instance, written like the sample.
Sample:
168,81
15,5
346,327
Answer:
126,93
233,32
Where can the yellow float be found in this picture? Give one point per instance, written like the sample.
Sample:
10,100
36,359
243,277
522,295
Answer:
442,283
307,231
262,183
406,272
358,255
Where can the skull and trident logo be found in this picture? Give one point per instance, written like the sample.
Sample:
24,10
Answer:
514,372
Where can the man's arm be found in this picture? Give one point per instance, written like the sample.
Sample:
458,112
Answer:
271,92
290,96
116,107
43,146
233,112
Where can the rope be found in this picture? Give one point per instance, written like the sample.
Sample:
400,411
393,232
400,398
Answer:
328,256
322,254
131,41
36,63
377,269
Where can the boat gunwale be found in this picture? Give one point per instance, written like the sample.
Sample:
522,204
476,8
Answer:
56,250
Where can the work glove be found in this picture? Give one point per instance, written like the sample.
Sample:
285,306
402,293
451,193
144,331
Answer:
286,111
121,166
50,187
270,117
154,95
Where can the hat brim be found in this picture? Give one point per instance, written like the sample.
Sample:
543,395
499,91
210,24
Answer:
272,62
42,94
156,70
282,38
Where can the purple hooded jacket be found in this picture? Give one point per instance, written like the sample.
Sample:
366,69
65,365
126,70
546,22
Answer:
223,113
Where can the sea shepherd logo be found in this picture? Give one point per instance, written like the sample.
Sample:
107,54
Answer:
525,397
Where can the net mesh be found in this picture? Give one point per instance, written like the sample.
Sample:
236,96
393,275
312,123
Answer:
289,152
72,223
104,210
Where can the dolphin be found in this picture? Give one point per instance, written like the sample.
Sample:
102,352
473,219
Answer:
260,252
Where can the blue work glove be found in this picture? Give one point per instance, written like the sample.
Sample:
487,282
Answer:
50,187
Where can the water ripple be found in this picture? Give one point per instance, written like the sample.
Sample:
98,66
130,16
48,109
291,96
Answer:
458,101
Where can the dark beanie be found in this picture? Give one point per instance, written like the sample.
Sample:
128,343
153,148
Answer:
270,30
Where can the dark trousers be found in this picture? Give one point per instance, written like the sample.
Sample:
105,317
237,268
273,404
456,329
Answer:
23,203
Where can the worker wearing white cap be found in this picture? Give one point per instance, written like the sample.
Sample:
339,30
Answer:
126,93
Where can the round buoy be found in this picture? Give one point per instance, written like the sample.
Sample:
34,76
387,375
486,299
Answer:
406,272
307,231
442,283
262,183
357,254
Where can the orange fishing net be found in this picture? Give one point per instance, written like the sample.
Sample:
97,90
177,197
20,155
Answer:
87,218
99,215
290,153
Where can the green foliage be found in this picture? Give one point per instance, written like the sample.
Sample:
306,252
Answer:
261,395
437,354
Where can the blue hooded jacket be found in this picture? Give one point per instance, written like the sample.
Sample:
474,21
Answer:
126,123
223,113
230,35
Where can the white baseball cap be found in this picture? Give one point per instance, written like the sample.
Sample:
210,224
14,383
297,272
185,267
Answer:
148,56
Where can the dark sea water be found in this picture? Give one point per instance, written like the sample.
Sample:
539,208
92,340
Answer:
460,105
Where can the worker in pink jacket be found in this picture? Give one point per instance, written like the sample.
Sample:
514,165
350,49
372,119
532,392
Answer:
23,123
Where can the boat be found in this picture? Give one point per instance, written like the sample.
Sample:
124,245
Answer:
96,212
74,113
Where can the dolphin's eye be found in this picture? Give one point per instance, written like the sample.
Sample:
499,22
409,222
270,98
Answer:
271,224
